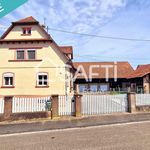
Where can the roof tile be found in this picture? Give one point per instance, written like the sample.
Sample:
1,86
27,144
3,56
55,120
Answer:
28,19
141,71
123,69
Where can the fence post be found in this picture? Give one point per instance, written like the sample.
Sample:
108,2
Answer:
54,106
132,102
7,107
78,105
76,88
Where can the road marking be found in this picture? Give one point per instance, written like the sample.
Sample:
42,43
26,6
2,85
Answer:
72,129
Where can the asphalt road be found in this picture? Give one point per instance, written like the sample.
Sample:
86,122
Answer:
135,136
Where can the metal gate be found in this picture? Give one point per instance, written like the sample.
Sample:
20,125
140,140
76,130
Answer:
103,104
66,105
142,99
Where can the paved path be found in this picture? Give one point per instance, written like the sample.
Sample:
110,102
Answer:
134,136
73,123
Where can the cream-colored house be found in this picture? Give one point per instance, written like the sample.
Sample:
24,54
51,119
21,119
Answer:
32,64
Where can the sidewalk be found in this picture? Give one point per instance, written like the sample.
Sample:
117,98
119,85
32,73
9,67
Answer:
67,122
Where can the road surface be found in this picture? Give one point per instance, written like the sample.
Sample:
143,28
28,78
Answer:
134,136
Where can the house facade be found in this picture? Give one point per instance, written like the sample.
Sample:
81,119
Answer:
140,79
32,63
102,76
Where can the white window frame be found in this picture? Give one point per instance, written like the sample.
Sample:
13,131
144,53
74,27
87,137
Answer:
43,80
8,75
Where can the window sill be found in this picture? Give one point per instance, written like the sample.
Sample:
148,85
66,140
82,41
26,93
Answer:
7,87
41,86
35,60
26,34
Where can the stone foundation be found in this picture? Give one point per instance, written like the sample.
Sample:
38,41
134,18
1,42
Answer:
24,116
143,108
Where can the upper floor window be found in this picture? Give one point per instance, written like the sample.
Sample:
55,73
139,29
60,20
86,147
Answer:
26,31
20,54
31,54
25,55
8,79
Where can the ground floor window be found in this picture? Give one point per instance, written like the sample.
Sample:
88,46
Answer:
8,79
83,88
42,79
103,87
93,88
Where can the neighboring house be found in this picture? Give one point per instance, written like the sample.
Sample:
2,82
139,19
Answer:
32,63
140,79
117,74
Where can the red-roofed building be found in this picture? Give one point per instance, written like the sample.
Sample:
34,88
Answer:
140,79
102,76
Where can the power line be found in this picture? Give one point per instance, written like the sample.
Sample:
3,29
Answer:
93,35
109,57
100,36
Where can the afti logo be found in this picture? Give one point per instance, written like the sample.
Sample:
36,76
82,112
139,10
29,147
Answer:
1,8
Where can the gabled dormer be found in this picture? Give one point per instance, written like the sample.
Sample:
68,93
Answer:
67,51
28,28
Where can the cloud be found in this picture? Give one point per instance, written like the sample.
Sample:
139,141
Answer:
75,15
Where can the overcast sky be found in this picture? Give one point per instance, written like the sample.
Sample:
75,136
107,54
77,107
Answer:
117,18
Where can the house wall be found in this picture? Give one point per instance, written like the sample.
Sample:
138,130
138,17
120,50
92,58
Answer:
16,33
146,84
52,62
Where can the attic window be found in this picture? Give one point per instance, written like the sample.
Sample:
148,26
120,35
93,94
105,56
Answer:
26,31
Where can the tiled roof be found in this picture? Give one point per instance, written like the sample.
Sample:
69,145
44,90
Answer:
66,49
123,69
28,19
32,21
141,71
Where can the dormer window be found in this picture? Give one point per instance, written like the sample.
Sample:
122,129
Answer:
26,31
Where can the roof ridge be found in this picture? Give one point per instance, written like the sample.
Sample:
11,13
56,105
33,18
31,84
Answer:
103,62
27,19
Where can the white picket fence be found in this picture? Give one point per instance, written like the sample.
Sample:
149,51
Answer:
103,104
1,105
142,99
36,104
66,105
